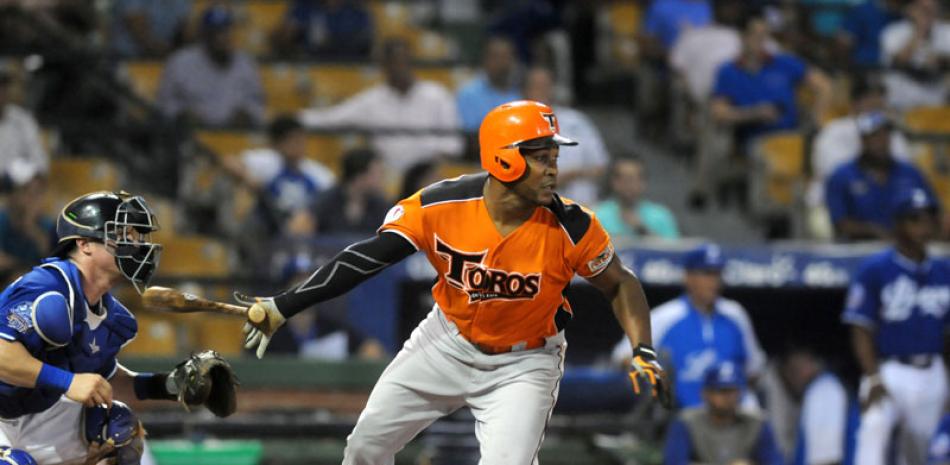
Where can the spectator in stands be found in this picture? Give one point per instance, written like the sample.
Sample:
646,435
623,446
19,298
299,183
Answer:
666,19
828,418
19,133
626,214
325,29
402,102
860,34
494,86
142,28
718,431
580,168
756,94
357,204
27,233
859,194
321,334
700,329
916,51
211,83
700,51
839,142
287,182
526,23
418,176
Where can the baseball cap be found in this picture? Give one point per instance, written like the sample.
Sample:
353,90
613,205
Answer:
913,200
872,121
724,375
216,18
704,257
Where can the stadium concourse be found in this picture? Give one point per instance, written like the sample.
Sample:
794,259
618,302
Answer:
746,158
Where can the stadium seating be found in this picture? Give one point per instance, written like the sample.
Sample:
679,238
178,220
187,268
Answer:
780,161
324,148
190,256
78,176
622,18
928,120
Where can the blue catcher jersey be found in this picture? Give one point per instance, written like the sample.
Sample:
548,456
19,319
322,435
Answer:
46,311
695,342
905,302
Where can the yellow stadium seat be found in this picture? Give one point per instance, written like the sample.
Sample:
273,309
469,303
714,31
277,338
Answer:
144,77
623,18
933,161
455,169
230,143
783,158
928,120
156,336
77,176
220,332
189,256
334,83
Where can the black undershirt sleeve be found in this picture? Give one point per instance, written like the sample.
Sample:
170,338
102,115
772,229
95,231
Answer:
353,265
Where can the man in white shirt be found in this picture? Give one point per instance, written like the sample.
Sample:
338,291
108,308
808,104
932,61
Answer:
839,142
916,51
19,133
698,53
400,103
580,168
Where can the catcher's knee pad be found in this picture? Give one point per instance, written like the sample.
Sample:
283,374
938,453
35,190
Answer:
11,456
119,424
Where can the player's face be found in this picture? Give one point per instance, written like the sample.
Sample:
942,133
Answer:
917,229
722,402
703,285
540,179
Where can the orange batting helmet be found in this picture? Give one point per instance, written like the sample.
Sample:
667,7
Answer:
512,126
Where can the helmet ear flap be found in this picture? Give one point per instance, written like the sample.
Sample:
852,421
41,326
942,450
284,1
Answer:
508,165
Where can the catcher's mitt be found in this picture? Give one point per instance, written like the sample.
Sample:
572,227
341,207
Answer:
206,379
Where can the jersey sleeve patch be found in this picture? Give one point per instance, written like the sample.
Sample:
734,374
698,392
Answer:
52,318
600,262
19,320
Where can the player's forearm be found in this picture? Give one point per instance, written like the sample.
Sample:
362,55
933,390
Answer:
346,270
17,366
862,343
632,311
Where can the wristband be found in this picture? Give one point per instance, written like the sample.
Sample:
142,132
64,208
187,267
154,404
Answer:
152,386
54,379
644,351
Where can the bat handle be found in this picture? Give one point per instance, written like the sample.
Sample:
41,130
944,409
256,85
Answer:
256,314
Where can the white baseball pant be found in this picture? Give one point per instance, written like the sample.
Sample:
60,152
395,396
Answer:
915,401
437,372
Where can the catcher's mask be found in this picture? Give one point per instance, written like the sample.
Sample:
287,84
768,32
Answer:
123,222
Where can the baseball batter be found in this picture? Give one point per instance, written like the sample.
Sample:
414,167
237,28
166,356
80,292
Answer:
61,331
897,307
505,246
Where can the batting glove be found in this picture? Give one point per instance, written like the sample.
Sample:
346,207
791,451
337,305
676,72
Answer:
259,334
646,369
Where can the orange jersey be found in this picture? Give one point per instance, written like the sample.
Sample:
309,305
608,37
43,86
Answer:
500,291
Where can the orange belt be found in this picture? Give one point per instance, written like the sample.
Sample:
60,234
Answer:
494,350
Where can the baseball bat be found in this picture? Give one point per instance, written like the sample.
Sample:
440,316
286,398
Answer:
168,299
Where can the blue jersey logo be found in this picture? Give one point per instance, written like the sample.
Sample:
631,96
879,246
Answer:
19,318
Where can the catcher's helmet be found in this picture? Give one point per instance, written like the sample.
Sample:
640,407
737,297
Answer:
10,456
119,219
512,126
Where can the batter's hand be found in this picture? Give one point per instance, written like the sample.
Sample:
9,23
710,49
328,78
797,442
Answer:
90,390
647,374
97,451
259,334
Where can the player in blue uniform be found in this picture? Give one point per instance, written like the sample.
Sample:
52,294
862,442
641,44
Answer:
897,308
61,330
700,329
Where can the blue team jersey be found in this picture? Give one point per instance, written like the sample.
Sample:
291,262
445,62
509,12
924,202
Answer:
851,192
46,311
694,342
775,83
905,302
